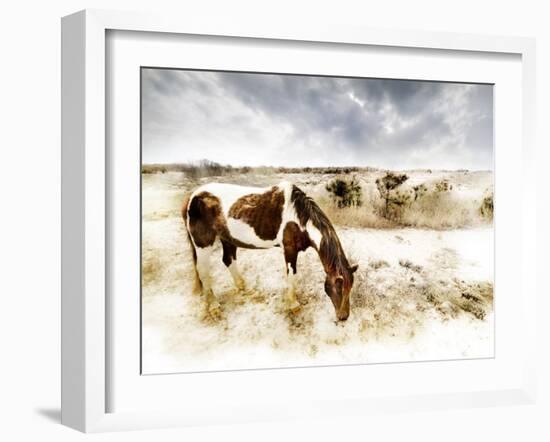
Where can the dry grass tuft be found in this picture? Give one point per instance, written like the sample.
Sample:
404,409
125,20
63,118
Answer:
409,265
378,264
150,268
355,217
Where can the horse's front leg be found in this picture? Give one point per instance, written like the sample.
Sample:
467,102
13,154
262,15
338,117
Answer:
291,301
291,257
294,241
203,269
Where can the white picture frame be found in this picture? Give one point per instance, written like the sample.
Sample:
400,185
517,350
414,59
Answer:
85,214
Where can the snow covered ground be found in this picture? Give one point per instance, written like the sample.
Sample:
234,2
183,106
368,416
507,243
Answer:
419,294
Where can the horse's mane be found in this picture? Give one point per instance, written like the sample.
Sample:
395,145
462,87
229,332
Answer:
330,249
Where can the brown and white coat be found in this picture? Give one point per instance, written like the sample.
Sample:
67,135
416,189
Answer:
259,218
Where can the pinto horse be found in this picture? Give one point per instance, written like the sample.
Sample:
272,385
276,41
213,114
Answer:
260,218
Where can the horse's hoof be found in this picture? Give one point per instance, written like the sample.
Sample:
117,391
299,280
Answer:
215,311
239,297
294,307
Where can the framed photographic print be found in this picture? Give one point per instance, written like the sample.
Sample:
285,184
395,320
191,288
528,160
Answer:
253,211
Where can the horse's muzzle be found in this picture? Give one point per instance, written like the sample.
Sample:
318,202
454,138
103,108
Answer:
342,316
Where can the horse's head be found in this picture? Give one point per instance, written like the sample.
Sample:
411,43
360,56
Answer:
338,285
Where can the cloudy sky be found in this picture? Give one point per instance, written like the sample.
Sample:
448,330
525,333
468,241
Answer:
287,120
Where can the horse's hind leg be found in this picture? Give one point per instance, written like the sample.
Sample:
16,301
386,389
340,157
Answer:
197,285
203,215
230,261
203,269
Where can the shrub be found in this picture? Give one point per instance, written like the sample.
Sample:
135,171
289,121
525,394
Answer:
420,190
486,209
345,192
386,185
443,186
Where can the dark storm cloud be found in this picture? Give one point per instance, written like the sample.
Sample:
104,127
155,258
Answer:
255,119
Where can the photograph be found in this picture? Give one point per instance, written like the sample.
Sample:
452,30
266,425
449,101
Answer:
292,220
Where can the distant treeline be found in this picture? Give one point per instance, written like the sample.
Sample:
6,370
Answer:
206,168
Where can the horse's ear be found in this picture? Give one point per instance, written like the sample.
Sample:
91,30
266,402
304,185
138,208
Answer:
354,268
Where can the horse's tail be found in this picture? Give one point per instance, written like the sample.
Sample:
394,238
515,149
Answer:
197,284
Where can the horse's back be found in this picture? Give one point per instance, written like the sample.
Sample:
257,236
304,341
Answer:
252,216
229,194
